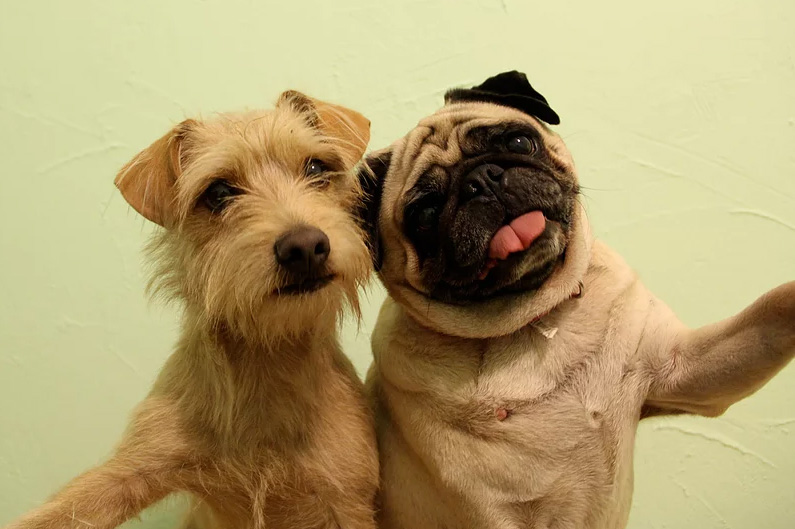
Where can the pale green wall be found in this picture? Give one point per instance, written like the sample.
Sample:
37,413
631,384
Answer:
680,114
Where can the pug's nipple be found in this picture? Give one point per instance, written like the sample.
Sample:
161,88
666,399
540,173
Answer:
517,236
502,413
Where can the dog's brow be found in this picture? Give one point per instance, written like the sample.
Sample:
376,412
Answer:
330,157
501,129
432,180
481,138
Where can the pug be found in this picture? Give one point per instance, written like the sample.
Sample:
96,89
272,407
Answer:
515,354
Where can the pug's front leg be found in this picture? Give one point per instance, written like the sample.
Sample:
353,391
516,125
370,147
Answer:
706,370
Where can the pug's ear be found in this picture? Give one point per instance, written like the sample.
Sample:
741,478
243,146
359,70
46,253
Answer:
510,89
350,129
147,181
371,177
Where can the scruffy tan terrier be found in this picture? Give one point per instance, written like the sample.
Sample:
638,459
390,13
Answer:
257,413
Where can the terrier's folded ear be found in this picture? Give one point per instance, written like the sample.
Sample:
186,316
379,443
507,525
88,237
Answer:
147,181
349,129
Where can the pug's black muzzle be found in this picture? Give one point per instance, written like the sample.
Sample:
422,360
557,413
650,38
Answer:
489,193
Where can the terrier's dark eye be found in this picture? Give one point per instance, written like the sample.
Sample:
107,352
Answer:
520,145
317,171
315,167
218,195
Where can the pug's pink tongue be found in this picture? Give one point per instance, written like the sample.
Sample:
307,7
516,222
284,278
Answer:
517,236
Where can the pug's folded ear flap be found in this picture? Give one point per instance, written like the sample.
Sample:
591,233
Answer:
348,128
372,172
510,89
147,181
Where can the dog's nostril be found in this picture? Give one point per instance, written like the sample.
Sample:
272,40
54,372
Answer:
302,250
494,172
322,248
472,189
481,180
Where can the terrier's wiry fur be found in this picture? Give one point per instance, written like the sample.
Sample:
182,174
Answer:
257,413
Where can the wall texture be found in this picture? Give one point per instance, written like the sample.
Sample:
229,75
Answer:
680,114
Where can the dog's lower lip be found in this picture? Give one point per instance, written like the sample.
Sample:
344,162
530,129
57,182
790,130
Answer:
306,286
491,262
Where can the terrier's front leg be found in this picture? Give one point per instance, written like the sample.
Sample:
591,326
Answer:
102,498
706,370
148,465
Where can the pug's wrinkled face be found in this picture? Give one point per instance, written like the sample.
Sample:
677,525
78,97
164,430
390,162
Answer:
496,219
476,202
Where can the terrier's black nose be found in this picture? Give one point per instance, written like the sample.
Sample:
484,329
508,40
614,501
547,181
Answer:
302,251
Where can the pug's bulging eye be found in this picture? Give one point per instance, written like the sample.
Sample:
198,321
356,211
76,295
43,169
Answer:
422,216
520,145
426,218
218,194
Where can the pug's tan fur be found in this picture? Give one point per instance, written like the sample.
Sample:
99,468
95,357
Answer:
521,411
257,413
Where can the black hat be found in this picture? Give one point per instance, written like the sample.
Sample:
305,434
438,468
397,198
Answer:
510,89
